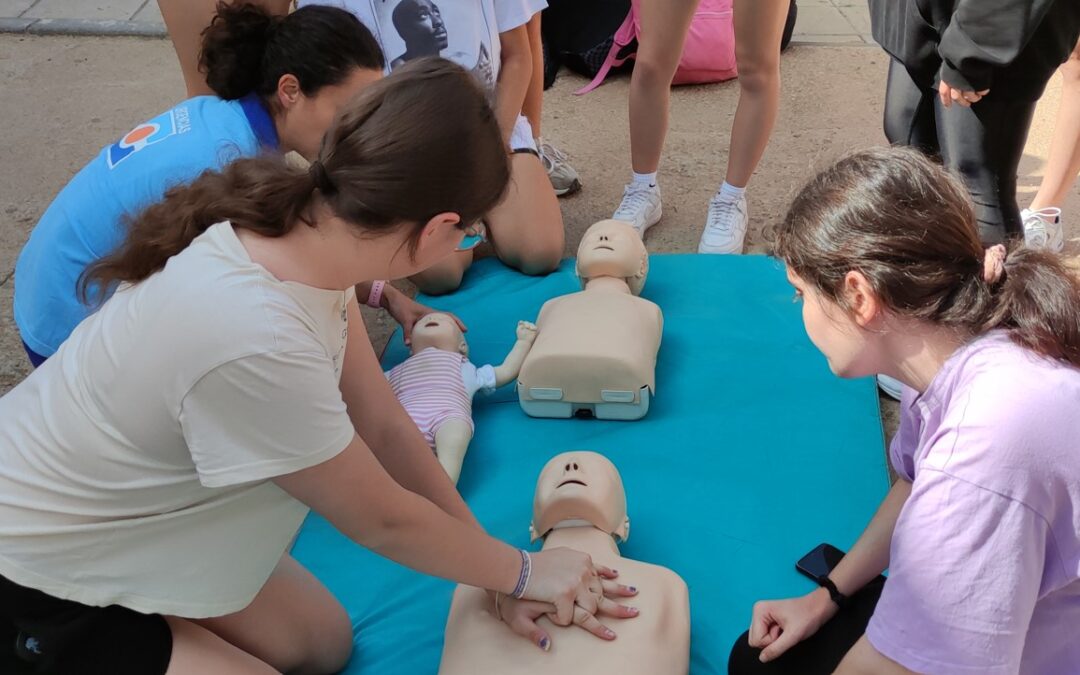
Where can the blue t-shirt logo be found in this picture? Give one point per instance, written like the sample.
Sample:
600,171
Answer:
148,133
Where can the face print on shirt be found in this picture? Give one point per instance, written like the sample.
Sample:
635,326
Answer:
458,30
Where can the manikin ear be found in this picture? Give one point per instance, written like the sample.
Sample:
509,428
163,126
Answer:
622,532
862,301
644,268
288,91
463,347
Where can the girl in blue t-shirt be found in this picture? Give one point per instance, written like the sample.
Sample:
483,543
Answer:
279,81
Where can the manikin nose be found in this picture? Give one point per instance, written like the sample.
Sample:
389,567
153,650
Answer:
571,466
603,237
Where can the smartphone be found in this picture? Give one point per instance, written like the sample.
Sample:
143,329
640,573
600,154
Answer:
818,563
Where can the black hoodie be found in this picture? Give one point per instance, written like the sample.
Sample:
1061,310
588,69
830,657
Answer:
1010,47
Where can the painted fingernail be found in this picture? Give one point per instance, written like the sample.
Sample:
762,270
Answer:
614,571
634,611
608,632
545,643
633,589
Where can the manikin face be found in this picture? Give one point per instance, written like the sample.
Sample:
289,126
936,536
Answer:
584,486
611,248
440,331
420,24
835,333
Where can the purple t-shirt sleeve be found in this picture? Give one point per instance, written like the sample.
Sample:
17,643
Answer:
965,569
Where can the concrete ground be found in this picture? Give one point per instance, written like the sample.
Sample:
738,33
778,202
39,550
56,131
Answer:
66,97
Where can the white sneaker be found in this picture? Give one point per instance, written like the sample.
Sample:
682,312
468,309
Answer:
891,386
564,179
725,227
1042,229
640,207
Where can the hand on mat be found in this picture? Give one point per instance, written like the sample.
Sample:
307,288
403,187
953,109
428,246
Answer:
407,311
949,94
779,625
566,578
521,615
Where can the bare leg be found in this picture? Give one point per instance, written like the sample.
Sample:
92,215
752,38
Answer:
526,228
663,33
186,20
294,624
759,25
1064,162
445,276
197,651
534,97
451,443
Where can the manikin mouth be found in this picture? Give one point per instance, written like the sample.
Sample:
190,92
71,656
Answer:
606,248
570,481
431,324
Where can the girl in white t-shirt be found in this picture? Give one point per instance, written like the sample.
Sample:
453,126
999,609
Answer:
490,39
154,470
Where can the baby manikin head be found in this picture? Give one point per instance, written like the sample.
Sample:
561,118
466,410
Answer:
612,248
580,488
440,331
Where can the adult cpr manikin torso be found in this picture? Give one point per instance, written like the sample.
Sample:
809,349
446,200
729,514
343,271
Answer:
587,518
596,349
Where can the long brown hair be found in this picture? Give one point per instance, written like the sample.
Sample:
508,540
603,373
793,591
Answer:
411,146
909,227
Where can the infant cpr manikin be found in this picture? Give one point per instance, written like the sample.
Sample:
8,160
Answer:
580,504
436,384
596,349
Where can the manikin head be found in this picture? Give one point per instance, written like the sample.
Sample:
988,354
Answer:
612,248
440,331
581,488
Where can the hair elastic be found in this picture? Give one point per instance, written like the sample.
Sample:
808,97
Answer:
994,263
321,179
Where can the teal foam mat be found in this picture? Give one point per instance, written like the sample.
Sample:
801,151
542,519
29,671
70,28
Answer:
752,454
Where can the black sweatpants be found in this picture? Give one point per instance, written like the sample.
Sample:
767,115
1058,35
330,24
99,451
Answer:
983,144
822,651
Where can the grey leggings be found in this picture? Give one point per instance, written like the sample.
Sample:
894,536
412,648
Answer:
983,144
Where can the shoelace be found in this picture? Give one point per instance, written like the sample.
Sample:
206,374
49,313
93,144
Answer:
634,199
720,217
551,156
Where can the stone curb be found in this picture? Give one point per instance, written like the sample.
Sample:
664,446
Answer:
82,27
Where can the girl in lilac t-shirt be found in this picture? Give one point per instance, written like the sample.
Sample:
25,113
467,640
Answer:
981,533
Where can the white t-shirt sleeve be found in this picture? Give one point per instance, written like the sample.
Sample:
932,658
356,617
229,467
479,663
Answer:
263,416
478,379
510,14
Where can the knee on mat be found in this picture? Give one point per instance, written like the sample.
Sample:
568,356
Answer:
330,645
540,262
439,281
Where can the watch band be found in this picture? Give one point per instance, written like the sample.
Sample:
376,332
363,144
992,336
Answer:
375,296
835,595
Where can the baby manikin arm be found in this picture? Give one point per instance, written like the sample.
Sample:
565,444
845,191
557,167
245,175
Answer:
508,370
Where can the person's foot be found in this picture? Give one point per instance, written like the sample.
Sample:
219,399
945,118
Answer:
891,386
640,207
1042,229
725,226
564,180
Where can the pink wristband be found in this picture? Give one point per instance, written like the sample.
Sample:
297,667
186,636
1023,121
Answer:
374,298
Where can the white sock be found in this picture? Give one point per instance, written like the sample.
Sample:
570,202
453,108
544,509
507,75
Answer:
647,179
730,193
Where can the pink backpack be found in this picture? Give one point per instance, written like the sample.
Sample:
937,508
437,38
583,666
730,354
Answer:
709,53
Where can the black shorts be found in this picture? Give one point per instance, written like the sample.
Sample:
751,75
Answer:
43,634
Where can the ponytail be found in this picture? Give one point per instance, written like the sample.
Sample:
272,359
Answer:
1038,302
908,226
408,148
247,50
266,195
